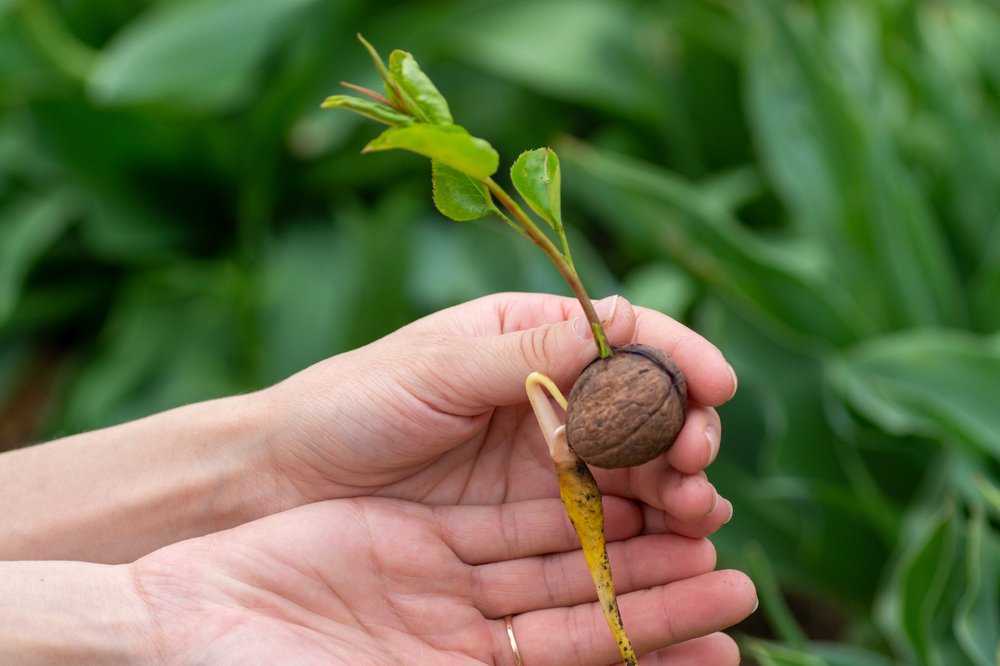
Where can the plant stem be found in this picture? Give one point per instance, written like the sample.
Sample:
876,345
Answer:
564,267
565,246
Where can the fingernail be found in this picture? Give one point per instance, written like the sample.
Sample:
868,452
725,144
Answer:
714,441
736,381
605,309
731,512
756,605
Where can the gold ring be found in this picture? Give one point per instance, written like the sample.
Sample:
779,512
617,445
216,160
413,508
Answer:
513,641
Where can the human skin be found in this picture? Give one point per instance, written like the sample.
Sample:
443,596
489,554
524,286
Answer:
435,413
378,581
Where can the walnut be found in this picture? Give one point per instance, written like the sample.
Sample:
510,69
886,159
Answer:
626,409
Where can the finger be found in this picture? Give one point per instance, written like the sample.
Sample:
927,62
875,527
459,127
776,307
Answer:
496,314
688,497
660,522
716,649
494,533
497,365
531,583
711,380
655,618
697,443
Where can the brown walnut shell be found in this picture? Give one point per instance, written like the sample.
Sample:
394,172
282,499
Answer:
626,409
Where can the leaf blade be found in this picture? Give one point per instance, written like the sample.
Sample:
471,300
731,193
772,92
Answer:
367,108
457,196
936,383
451,145
419,87
27,229
161,57
536,177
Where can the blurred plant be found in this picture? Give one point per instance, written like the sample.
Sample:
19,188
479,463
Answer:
815,185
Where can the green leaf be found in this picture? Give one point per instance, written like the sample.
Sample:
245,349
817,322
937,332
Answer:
773,654
536,177
940,384
910,603
367,108
170,340
418,86
392,90
660,211
451,145
203,54
458,196
579,50
27,229
977,621
779,615
814,654
834,165
839,654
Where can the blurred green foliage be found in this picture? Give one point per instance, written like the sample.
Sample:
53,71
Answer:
813,185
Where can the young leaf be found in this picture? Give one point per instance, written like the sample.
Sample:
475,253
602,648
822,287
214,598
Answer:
407,73
367,108
391,87
535,175
458,196
449,144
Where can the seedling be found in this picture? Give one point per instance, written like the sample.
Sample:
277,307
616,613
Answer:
629,404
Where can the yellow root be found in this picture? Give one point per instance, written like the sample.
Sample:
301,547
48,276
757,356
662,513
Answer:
582,501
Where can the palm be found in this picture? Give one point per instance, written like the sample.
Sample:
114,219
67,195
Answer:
505,459
389,582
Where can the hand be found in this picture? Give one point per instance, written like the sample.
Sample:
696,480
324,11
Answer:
436,412
378,581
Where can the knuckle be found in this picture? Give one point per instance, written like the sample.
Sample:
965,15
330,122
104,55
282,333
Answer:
533,346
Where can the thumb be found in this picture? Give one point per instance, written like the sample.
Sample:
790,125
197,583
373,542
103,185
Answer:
498,365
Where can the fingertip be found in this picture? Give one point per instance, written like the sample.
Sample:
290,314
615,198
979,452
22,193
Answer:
620,325
704,526
724,648
693,497
742,590
709,377
698,442
706,554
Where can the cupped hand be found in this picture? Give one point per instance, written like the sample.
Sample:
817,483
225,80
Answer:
379,581
436,412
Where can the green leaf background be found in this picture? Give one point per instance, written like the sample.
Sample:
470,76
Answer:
815,186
